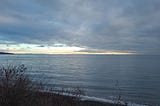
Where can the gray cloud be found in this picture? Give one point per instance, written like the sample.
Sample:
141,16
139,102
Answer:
129,25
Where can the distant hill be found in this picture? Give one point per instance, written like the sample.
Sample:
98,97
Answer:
5,53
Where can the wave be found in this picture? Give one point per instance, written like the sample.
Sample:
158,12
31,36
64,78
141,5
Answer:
96,99
90,98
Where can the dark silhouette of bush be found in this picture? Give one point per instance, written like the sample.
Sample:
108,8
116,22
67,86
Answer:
16,89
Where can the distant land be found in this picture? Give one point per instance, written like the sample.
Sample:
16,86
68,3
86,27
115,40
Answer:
5,53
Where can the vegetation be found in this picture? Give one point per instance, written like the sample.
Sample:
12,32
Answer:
17,89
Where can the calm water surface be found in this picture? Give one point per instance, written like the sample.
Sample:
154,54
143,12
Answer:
138,76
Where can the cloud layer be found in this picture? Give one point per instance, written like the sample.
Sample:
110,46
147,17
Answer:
106,25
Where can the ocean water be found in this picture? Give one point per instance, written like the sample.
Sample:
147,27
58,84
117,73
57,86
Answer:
135,77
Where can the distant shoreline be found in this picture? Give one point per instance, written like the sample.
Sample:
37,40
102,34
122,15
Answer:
1,53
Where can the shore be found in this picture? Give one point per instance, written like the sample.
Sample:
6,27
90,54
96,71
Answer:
51,99
14,97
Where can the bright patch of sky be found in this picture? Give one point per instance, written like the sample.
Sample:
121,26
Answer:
56,48
37,49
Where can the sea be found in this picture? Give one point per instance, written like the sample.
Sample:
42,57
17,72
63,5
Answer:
134,79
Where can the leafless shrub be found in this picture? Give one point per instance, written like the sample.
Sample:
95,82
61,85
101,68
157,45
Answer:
15,87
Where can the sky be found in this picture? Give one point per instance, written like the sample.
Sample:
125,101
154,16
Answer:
80,26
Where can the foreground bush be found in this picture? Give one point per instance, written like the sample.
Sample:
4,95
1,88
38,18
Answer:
16,89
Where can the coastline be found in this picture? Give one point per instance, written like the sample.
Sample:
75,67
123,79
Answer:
58,99
81,100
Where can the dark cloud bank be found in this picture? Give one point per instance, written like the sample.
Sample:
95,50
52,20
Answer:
124,25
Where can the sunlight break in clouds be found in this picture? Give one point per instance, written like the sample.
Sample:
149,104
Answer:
56,48
40,49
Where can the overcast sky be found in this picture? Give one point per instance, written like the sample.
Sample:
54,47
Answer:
80,25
